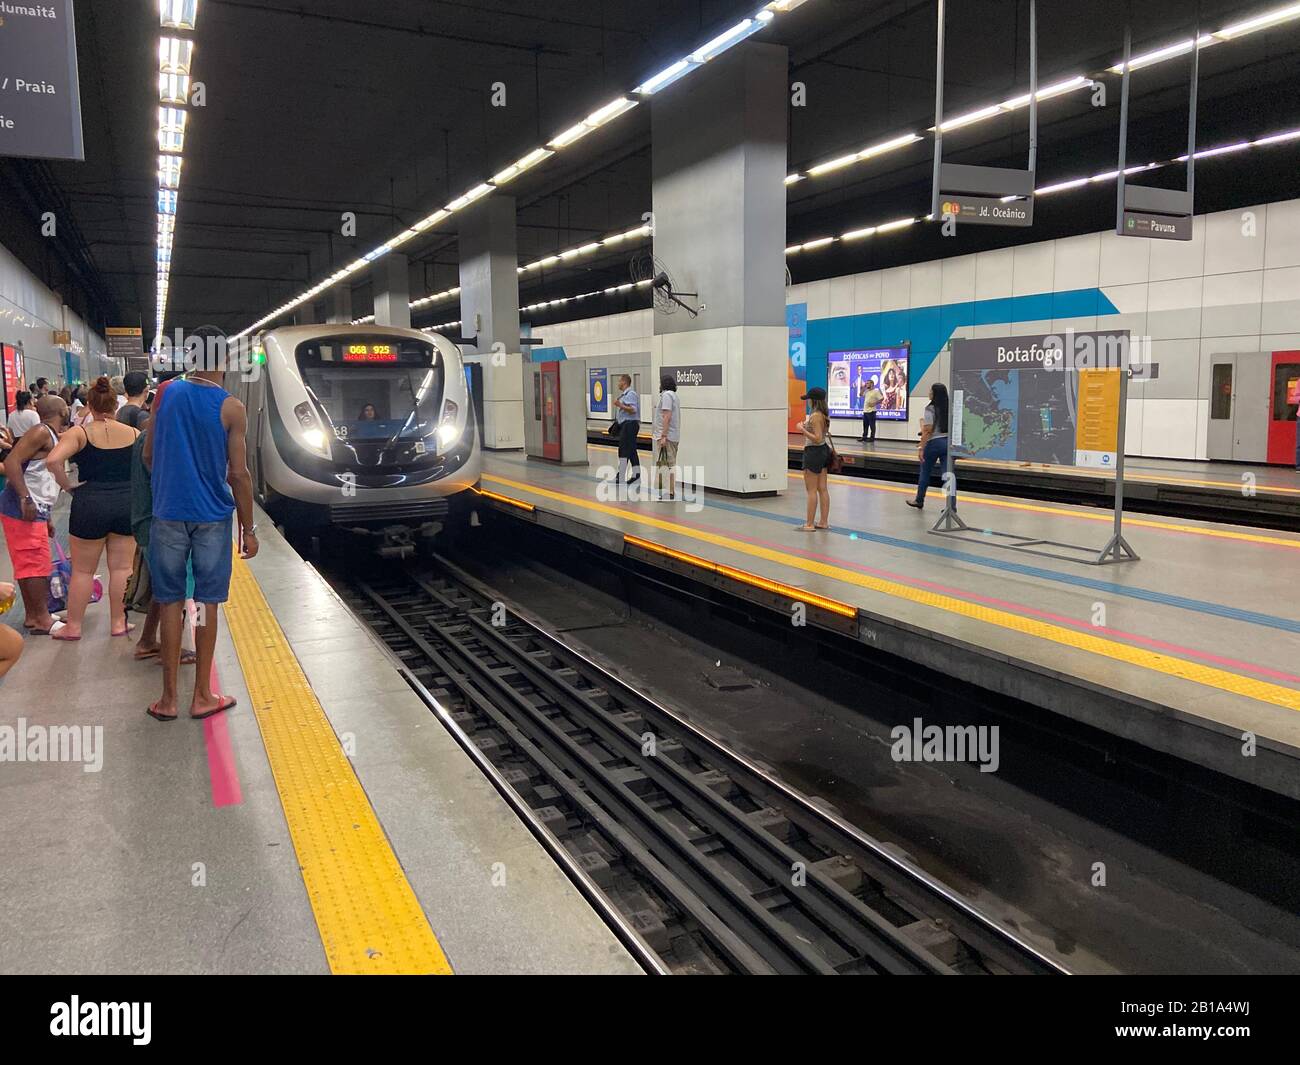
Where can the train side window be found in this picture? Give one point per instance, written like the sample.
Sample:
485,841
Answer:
1286,391
1221,391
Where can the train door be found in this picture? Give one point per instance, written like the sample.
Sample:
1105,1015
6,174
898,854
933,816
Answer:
550,380
1239,402
1285,396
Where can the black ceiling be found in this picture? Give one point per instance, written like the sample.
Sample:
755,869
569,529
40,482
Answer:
385,110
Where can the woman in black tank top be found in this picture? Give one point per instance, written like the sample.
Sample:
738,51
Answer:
101,509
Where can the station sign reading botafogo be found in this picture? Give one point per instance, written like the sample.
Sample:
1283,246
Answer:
1066,350
40,97
687,376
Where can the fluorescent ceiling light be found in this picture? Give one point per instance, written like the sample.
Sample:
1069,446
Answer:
178,14
1137,62
610,112
1259,22
430,220
169,171
476,193
889,145
834,164
900,223
1059,89
175,55
569,136
973,116
858,234
173,88
727,39
1278,138
664,78
791,179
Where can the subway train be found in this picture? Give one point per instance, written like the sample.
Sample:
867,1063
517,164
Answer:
368,428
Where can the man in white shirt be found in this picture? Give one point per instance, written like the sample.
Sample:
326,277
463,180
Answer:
24,416
628,417
667,433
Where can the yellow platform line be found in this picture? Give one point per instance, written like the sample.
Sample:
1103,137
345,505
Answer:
1039,508
369,918
1106,517
1168,665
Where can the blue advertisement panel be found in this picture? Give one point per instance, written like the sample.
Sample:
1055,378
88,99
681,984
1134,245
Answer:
598,390
852,375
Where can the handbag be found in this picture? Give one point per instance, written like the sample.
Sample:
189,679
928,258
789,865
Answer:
614,429
836,463
61,581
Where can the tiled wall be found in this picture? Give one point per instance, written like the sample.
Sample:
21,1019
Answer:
30,313
1234,287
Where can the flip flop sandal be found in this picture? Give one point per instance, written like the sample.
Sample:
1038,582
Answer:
146,656
220,708
129,629
152,711
56,633
189,658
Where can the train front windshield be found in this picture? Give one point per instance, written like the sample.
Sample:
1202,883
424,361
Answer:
376,391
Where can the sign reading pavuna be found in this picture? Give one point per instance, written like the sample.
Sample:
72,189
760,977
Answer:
40,99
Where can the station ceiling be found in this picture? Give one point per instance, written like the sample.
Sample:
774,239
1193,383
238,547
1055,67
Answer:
386,110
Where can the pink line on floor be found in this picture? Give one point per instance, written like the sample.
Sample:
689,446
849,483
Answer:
959,593
223,772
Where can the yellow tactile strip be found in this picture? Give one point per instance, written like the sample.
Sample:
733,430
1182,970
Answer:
1182,668
369,919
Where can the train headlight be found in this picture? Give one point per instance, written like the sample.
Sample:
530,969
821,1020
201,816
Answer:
312,433
448,434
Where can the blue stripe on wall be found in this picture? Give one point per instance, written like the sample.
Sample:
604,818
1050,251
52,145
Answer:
930,328
546,354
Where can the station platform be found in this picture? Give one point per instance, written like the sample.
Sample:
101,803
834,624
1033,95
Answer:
1257,495
326,824
1189,650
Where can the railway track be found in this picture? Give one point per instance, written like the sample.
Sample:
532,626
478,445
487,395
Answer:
702,861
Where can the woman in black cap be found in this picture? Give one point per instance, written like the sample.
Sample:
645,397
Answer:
816,459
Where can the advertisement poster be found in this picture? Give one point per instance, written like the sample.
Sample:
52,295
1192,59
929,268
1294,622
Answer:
852,375
598,391
11,365
796,321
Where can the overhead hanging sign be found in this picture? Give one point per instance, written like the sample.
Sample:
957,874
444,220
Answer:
1161,227
40,97
124,342
989,211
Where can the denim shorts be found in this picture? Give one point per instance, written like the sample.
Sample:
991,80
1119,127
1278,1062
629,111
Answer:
204,545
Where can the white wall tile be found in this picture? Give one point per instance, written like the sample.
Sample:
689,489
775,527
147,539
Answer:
896,288
927,284
1169,428
866,293
959,279
1282,234
1281,300
1131,303
1231,304
1124,260
1172,259
819,299
1077,262
1133,427
1174,308
1180,370
1227,249
994,273
841,297
1032,268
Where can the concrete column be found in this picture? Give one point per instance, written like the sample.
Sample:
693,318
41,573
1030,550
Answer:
718,164
391,277
342,307
306,315
489,310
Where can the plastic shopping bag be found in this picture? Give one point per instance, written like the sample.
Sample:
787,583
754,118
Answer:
61,581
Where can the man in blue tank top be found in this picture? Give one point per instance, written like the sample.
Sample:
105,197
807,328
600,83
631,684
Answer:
195,450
